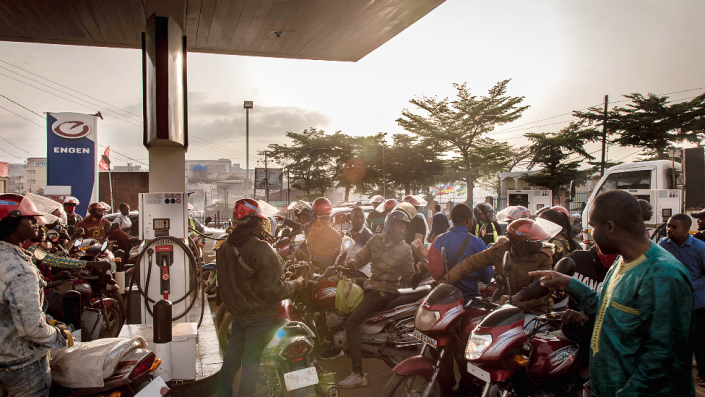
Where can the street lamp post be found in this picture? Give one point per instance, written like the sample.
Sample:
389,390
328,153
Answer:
110,179
247,105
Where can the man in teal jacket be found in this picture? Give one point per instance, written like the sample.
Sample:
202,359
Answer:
642,342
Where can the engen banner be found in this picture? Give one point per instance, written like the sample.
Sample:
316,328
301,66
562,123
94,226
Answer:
72,155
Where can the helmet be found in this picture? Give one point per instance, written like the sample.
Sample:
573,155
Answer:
12,205
532,230
107,206
99,206
524,211
413,200
561,209
510,214
247,207
322,206
389,204
376,199
408,208
482,209
393,217
71,200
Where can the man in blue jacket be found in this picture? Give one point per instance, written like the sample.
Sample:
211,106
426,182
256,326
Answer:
691,253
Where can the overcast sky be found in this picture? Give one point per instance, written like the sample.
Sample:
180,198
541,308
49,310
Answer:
561,55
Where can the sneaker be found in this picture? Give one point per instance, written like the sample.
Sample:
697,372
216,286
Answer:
353,380
699,381
332,354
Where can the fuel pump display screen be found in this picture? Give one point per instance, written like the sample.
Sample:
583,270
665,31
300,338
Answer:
161,227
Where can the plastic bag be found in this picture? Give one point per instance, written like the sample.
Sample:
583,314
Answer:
348,296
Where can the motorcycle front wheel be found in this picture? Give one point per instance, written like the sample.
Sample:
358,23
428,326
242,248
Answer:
408,386
112,324
224,331
208,283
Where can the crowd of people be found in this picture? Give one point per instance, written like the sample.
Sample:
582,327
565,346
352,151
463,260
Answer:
636,307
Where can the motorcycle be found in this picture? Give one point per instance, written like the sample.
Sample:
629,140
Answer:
510,357
131,375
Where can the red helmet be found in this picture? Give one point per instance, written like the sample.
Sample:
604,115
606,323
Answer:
525,211
247,207
510,214
322,206
98,206
376,199
525,229
561,209
71,200
390,204
12,205
413,200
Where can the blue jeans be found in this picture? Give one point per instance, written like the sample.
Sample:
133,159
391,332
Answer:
247,342
32,380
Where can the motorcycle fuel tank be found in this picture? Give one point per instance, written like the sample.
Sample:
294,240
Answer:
324,294
551,357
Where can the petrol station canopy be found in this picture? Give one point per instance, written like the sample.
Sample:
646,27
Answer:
334,30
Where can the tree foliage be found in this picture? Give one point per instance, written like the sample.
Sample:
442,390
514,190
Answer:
650,122
553,152
461,126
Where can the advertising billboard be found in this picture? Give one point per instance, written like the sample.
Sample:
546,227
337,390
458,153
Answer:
72,155
4,169
273,175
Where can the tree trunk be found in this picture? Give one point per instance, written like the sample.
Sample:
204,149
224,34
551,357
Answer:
470,187
347,192
407,189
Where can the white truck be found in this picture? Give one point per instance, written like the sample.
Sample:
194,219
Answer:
671,187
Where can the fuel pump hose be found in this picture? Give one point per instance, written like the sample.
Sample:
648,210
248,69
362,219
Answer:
193,284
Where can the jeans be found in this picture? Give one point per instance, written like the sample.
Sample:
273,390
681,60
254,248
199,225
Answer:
247,342
700,341
371,303
32,380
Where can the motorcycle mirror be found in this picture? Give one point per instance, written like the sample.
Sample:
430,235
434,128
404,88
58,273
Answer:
104,246
78,242
39,254
53,236
565,266
444,256
286,233
507,269
208,220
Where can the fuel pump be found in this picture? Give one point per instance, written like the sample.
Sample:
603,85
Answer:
167,267
534,200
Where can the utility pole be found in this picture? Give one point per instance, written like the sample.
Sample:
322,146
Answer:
288,188
266,179
247,105
384,174
604,138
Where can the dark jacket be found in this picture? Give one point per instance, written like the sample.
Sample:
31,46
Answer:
323,242
247,295
360,238
541,260
491,230
417,226
390,264
700,236
439,225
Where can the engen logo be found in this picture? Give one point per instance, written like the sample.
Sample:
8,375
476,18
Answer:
71,129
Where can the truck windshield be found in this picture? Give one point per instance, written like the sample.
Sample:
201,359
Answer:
627,180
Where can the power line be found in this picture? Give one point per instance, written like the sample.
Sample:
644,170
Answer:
22,117
61,85
31,111
24,150
11,154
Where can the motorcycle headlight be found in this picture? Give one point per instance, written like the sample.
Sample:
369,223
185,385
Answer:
477,344
425,318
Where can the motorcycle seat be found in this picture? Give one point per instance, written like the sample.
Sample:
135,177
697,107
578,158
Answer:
407,295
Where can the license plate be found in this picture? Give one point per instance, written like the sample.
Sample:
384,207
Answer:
425,338
479,372
297,379
155,388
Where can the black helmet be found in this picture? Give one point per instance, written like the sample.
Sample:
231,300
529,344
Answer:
483,212
395,216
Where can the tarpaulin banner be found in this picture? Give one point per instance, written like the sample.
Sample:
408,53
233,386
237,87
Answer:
72,155
4,169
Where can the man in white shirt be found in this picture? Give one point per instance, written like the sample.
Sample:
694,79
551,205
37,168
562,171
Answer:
124,218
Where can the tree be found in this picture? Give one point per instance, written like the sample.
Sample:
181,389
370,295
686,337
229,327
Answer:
649,122
412,163
510,159
461,126
309,160
552,152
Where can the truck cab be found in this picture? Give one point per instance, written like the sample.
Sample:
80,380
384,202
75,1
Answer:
659,182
